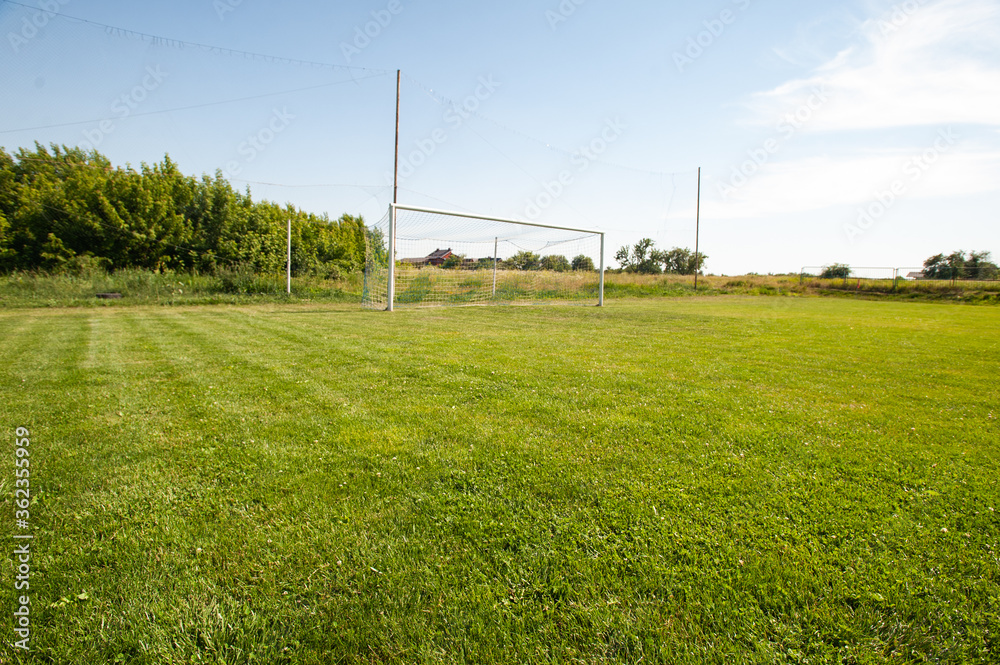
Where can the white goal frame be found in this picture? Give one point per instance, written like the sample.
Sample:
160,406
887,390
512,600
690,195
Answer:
394,207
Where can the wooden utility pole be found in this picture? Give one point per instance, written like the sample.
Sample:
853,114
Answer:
697,234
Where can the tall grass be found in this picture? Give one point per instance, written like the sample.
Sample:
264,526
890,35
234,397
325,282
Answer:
237,285
144,287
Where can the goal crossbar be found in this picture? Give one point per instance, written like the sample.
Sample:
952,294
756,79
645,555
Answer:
394,208
469,215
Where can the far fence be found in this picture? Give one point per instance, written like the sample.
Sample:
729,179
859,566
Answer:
864,279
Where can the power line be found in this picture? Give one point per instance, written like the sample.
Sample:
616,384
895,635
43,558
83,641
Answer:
186,108
377,188
453,206
158,40
525,171
112,168
446,101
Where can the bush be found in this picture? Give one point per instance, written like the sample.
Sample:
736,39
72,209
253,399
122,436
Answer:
241,280
836,271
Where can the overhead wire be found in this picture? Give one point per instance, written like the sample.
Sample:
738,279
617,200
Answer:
368,188
159,40
446,101
186,108
442,100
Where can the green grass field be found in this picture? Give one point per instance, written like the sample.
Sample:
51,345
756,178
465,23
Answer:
697,480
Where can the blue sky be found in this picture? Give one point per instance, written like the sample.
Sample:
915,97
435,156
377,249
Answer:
863,132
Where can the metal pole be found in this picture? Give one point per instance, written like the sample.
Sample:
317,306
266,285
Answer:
391,295
600,289
289,256
496,260
697,233
395,174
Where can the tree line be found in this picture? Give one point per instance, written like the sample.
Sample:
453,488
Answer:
644,258
957,265
525,260
63,209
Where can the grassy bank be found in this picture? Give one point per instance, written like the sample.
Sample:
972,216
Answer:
702,480
148,288
138,287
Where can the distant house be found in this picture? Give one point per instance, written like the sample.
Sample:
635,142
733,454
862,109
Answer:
916,275
439,256
435,258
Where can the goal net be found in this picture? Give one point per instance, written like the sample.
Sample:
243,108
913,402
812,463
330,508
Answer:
447,258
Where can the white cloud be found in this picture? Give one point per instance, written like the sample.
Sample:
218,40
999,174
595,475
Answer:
821,182
923,63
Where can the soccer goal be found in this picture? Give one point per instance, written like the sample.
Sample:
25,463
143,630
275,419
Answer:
452,258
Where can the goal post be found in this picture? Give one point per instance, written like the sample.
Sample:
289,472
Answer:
441,257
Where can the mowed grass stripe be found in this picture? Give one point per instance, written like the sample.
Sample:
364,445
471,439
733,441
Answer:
197,523
568,484
244,364
360,533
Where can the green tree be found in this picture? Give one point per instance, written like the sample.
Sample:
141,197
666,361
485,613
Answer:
54,254
583,262
524,260
836,271
979,266
678,261
555,263
958,265
486,263
641,258
59,203
940,266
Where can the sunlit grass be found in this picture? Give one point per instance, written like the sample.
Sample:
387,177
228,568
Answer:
681,481
435,286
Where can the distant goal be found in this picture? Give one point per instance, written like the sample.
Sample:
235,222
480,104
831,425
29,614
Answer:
450,258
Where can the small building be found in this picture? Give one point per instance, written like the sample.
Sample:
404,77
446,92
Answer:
435,258
439,256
